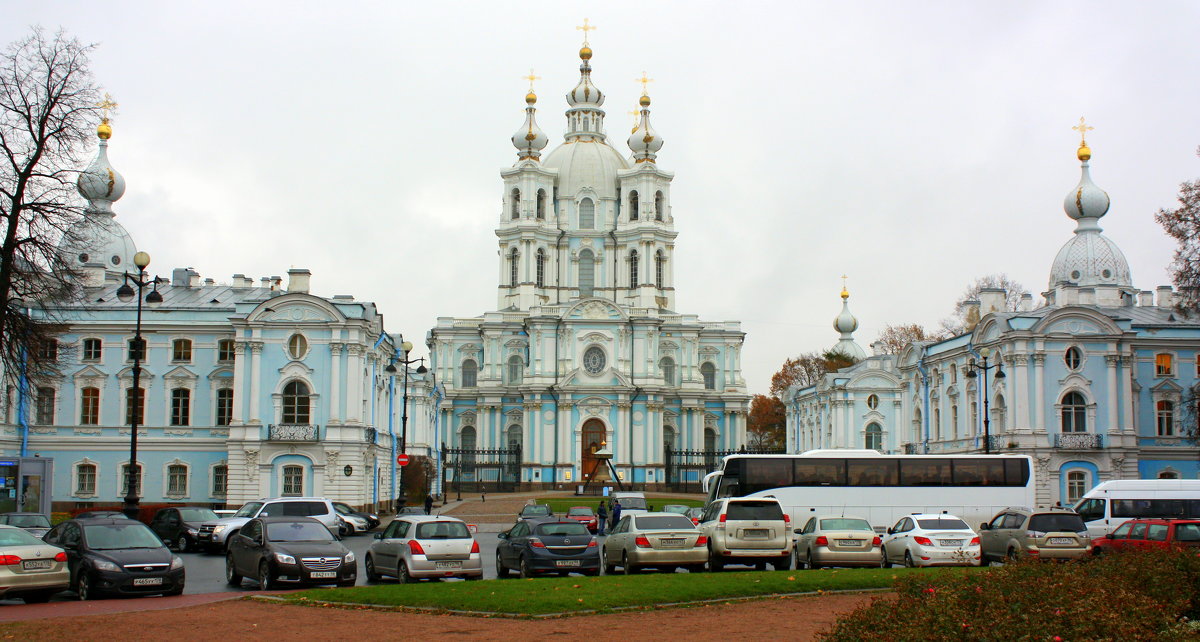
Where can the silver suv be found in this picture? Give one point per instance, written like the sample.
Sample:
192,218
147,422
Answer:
215,534
1044,533
747,530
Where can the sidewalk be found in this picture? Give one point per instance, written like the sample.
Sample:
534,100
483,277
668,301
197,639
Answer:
497,512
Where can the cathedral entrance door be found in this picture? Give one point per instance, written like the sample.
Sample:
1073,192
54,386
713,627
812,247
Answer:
592,439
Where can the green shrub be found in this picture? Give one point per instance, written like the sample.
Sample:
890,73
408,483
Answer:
1130,596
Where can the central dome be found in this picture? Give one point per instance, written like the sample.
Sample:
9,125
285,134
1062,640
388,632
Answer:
591,164
1090,259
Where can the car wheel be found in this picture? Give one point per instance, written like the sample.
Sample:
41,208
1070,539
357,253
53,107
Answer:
402,573
908,560
265,581
372,574
526,572
883,560
181,544
38,597
178,590
626,567
609,569
229,540
782,563
715,564
501,570
232,577
84,588
810,563
760,566
1012,555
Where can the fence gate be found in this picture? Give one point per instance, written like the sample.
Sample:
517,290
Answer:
686,468
476,470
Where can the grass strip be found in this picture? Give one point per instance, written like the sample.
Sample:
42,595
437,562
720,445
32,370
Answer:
578,594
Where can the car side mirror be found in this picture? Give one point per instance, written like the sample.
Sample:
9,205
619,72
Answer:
799,531
983,527
890,531
1108,536
378,535
501,535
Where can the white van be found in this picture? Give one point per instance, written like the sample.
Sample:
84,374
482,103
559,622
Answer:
1112,503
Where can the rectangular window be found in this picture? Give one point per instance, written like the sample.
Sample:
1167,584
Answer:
220,480
818,472
89,407
181,406
867,472
293,480
765,474
47,350
125,480
978,472
225,351
177,479
224,406
45,407
1164,365
181,350
85,479
135,405
137,350
934,472
92,349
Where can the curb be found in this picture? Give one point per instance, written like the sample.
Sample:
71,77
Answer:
561,614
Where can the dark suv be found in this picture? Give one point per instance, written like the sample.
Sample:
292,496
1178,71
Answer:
179,527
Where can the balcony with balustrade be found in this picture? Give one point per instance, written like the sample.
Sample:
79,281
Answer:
1078,441
293,433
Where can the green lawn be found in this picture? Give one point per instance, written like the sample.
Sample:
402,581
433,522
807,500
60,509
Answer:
560,504
567,594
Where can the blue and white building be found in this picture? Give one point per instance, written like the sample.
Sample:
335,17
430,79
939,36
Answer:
1094,379
585,349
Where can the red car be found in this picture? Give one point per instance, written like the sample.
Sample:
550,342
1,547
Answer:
583,515
1142,534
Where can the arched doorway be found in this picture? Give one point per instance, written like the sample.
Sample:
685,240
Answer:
591,438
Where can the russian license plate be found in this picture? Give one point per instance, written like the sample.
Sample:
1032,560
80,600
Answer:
951,542
32,565
672,542
849,542
760,533
1061,541
566,562
449,565
147,581
321,575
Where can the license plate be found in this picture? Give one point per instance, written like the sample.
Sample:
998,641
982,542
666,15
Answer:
849,542
322,574
31,565
1062,541
951,542
756,532
673,542
147,581
449,565
566,563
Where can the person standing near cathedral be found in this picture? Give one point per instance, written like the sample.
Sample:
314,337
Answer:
601,516
616,512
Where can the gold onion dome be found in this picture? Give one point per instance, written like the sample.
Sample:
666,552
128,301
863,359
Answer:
585,53
104,131
530,98
644,101
845,293
1084,153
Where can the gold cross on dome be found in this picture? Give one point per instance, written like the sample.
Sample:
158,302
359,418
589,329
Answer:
1083,128
843,281
531,78
108,105
585,29
645,81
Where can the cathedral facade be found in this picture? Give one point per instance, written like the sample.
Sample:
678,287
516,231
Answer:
585,352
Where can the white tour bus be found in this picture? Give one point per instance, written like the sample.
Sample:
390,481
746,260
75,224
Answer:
1112,503
880,488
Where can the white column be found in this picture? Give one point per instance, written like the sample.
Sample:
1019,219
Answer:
239,384
256,348
1111,363
1127,390
1039,389
335,383
354,383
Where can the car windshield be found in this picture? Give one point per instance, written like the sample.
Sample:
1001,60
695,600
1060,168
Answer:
1057,523
298,532
845,524
663,523
443,530
109,537
675,508
561,528
635,503
412,510
29,521
342,509
197,514
249,510
17,537
538,509
942,524
581,511
760,511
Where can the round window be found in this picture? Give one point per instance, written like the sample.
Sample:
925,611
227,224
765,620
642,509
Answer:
297,346
1107,274
1075,275
593,360
873,402
1073,358
83,258
116,260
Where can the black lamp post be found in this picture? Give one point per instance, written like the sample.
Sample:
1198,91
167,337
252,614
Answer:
125,293
405,347
987,432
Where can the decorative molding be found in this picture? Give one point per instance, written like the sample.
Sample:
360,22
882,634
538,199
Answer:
252,466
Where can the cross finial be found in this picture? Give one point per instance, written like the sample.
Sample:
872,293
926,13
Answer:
531,78
645,81
108,105
1083,128
845,292
585,28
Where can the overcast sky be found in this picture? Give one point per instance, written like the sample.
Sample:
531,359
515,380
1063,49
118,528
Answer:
912,146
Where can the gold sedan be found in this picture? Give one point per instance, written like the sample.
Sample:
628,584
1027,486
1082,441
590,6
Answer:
30,568
661,540
832,540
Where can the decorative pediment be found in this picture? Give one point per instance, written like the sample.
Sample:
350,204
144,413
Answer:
1076,321
594,337
1076,380
595,309
295,369
668,346
469,349
180,373
90,375
467,417
1167,386
296,308
221,373
594,406
874,379
710,420
516,344
515,415
127,373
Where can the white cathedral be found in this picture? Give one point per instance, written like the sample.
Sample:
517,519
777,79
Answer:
585,352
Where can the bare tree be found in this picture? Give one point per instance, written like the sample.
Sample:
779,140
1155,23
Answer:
48,101
894,338
956,323
1183,225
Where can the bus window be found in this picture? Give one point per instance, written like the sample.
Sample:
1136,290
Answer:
1016,472
1091,509
933,472
765,473
978,472
868,472
820,472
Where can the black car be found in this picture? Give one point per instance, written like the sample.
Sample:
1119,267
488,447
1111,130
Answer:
110,514
371,518
35,524
534,511
533,547
178,527
288,550
109,556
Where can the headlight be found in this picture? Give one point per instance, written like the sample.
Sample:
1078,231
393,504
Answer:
218,529
105,565
176,562
284,558
193,532
350,557
374,517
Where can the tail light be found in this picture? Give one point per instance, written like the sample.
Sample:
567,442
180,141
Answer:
787,519
721,521
822,540
695,521
592,544
475,546
642,542
878,541
536,543
9,560
923,541
414,547
701,541
61,557
974,541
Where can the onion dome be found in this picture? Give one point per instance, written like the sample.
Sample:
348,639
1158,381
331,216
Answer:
530,140
100,240
100,184
644,141
585,93
846,324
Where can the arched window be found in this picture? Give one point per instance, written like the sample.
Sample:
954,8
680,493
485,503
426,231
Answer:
709,371
44,415
293,480
633,269
541,268
514,437
513,256
85,479
953,373
874,437
633,206
135,405
137,473
541,204
89,407
1168,474
998,415
469,372
516,366
668,371
181,407
1074,413
710,439
1076,486
659,262
296,403
587,273
466,441
658,206
937,424
1166,418
587,214
181,350
669,436
515,204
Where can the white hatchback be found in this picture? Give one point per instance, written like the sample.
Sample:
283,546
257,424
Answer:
931,540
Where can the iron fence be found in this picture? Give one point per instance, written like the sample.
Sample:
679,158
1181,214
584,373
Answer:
481,469
686,468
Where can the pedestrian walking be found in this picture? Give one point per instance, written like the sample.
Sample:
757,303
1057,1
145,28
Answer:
429,504
616,512
601,517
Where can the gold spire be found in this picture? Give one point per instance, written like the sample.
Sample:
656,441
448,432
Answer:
104,131
1084,152
845,292
585,52
531,97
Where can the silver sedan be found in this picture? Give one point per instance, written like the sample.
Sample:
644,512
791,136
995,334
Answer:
660,540
424,546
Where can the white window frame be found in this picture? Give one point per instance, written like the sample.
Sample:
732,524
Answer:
122,476
83,353
1079,478
75,478
183,493
212,479
187,344
283,480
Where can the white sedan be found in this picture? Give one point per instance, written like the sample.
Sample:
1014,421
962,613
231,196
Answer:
931,540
